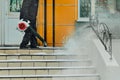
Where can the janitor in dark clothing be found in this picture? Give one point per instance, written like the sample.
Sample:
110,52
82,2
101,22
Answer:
29,12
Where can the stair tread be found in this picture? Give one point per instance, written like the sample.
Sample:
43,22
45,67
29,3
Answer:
34,76
55,60
40,48
31,68
40,54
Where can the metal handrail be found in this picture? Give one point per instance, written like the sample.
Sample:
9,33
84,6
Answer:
103,33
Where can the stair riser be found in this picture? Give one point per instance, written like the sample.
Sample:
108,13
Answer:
45,64
47,72
20,51
42,57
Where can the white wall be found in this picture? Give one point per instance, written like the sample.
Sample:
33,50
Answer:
2,21
116,49
108,69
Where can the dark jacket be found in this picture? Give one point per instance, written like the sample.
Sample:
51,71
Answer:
29,10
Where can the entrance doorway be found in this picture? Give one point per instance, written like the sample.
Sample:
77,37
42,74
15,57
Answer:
11,17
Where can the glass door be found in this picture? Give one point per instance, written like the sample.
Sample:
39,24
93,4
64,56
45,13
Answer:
12,9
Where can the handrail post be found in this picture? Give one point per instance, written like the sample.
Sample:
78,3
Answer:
110,45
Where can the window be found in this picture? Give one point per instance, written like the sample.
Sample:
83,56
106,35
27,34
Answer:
84,10
15,5
118,5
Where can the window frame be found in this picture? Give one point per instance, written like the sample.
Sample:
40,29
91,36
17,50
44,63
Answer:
10,14
85,19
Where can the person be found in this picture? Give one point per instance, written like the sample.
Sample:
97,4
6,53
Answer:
29,12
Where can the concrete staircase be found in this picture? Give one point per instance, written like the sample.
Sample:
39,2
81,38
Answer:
29,65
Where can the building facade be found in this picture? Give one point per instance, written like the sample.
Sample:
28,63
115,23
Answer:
67,13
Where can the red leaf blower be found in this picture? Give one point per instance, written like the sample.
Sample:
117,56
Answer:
23,25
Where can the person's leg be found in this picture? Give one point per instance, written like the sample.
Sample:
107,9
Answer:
33,40
26,39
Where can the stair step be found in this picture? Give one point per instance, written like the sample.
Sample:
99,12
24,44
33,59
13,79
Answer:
45,68
46,72
30,65
57,60
44,63
16,50
37,56
40,54
49,76
59,78
55,78
40,48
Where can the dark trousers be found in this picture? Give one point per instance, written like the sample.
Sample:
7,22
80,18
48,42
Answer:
29,36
